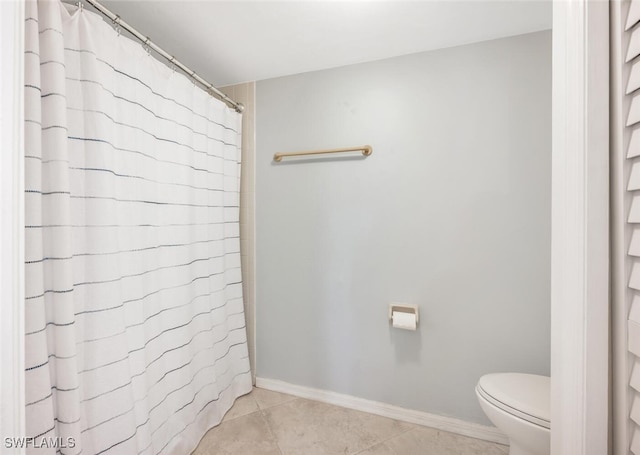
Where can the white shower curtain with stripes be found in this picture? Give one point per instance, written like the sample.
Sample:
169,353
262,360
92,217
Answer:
136,340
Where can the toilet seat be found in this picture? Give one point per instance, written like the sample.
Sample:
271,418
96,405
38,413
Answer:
525,396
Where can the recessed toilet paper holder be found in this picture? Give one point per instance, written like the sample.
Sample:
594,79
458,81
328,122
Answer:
404,308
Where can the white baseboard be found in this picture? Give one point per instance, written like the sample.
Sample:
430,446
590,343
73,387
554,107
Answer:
473,430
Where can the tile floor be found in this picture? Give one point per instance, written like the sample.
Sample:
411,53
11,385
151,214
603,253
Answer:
265,422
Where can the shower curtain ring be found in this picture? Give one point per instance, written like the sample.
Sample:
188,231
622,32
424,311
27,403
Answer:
80,5
172,61
116,24
146,46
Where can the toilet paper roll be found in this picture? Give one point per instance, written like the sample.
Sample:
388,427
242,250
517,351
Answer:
402,320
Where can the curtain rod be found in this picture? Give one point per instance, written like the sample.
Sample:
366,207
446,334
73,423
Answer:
239,107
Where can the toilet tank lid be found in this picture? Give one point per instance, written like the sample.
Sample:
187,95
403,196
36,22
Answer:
527,393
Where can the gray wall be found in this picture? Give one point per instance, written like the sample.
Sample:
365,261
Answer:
451,212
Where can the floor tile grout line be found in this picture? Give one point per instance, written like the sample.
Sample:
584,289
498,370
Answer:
242,415
385,440
273,435
410,427
369,447
294,398
258,407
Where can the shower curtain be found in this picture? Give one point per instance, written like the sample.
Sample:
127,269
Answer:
136,339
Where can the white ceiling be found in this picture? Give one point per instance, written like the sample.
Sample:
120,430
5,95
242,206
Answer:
228,42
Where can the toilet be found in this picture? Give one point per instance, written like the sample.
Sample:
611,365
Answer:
518,404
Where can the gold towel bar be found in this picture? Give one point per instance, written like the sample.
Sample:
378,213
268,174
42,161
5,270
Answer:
366,151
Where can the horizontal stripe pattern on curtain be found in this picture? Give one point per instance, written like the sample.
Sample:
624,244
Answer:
136,338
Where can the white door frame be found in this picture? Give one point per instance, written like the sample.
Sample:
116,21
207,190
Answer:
12,401
580,228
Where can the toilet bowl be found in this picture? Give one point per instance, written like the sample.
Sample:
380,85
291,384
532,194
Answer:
518,404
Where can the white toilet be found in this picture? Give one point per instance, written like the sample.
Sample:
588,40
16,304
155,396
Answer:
518,404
